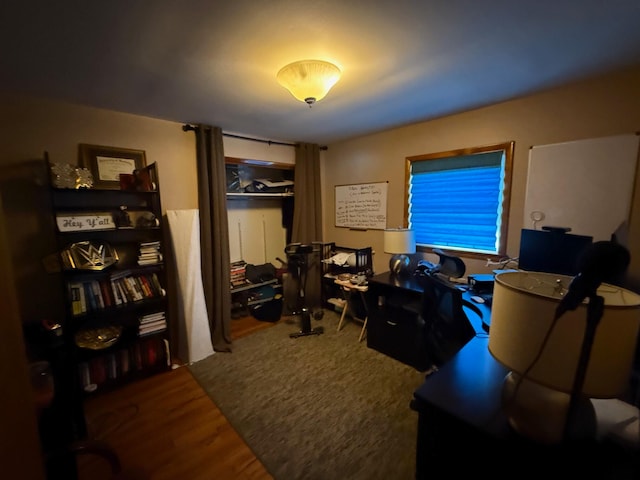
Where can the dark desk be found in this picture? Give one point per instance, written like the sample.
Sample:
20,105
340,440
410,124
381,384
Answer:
461,428
395,322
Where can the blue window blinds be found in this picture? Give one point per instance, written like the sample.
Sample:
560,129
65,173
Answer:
456,202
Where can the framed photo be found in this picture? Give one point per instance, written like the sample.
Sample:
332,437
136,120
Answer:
107,163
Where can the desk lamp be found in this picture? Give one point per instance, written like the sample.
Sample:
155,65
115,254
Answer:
400,242
556,360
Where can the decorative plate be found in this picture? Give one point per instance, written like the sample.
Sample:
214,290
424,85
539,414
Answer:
98,338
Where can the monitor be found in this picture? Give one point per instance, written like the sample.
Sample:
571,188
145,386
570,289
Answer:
552,251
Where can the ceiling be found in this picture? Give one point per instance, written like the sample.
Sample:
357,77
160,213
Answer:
215,62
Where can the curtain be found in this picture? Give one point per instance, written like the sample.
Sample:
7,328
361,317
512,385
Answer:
307,214
214,234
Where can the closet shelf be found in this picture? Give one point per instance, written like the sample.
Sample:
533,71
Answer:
259,195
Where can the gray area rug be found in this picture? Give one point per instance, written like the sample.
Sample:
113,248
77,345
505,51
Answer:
319,407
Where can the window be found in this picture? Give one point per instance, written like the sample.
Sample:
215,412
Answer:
459,200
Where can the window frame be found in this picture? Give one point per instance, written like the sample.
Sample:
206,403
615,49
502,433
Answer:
507,149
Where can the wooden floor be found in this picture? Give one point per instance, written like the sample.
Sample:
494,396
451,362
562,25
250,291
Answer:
167,426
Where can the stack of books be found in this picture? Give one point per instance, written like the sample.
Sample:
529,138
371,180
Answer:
152,323
150,253
238,270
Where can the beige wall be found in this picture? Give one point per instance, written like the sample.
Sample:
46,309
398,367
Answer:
600,107
603,106
30,126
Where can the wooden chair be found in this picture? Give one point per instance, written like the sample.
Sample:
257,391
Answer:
348,289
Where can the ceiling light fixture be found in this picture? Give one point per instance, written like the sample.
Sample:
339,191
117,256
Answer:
309,80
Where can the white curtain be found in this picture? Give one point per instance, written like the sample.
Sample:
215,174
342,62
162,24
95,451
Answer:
195,337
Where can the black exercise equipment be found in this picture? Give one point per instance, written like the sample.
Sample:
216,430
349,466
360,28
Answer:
298,266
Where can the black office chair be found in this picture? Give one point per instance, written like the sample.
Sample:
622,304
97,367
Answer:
447,328
298,257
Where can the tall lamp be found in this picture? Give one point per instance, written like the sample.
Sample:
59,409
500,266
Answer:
545,353
400,242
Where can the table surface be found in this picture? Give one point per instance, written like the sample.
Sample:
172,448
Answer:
469,387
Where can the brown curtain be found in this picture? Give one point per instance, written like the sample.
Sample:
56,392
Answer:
214,234
307,214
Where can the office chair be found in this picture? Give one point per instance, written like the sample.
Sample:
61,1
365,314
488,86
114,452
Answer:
447,327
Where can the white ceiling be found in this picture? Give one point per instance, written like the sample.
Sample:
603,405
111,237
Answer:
215,62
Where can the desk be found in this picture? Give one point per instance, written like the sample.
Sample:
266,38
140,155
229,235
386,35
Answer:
396,326
348,288
460,417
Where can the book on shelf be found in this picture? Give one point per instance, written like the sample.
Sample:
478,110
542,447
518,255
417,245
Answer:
106,293
116,365
97,294
117,298
150,317
149,253
148,330
123,360
97,370
76,302
152,244
152,323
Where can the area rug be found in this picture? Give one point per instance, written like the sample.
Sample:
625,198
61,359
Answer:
320,407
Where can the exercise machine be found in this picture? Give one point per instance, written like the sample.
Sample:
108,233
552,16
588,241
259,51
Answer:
298,259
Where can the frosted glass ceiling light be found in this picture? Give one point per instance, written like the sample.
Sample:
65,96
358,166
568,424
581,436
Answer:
309,80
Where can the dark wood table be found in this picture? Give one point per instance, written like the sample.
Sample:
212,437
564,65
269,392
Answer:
396,322
462,429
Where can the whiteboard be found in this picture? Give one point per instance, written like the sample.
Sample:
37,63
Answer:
586,185
362,205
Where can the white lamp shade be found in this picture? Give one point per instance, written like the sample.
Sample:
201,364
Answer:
399,241
522,313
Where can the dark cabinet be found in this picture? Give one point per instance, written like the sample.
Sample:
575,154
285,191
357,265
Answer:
396,326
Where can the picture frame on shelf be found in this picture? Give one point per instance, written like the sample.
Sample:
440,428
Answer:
107,163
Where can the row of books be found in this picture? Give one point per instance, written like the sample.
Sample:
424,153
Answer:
238,271
117,365
120,288
152,323
149,253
